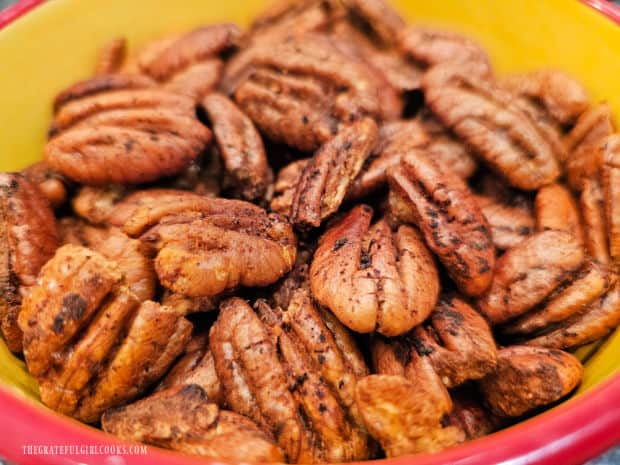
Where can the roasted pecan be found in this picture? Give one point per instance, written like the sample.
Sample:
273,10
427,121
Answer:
592,206
509,224
28,239
470,415
130,135
529,377
303,88
488,120
590,129
428,194
285,186
89,341
185,419
611,192
271,373
430,47
405,417
559,93
592,282
327,176
529,272
556,209
240,146
206,246
111,57
95,204
456,339
374,278
51,184
378,16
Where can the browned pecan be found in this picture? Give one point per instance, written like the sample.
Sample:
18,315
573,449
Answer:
95,204
124,136
89,341
328,175
529,377
509,224
488,120
456,339
240,146
28,239
271,373
406,417
610,175
111,56
430,47
559,93
377,15
590,129
303,88
428,194
557,209
592,282
52,184
285,186
206,246
185,419
470,415
372,277
529,272
592,205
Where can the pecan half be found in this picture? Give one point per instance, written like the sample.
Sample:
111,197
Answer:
559,93
610,175
52,185
592,205
405,417
271,374
185,419
95,204
383,20
89,341
303,88
557,209
509,224
529,377
528,273
427,194
240,146
206,246
126,136
373,278
28,239
488,120
327,176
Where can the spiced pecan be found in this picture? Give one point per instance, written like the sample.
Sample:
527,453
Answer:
125,136
488,120
111,56
557,209
405,417
28,239
95,204
509,224
378,16
610,176
328,175
89,341
562,96
185,419
527,378
592,205
240,146
303,88
427,194
206,246
372,277
285,186
52,184
270,375
470,415
529,272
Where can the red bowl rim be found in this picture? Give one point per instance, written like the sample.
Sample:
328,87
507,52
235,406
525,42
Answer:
569,434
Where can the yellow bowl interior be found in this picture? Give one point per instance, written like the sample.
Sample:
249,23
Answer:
56,44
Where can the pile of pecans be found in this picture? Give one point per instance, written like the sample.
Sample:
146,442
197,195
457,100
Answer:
331,237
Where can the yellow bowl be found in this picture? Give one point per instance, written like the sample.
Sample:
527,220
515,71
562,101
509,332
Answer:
56,44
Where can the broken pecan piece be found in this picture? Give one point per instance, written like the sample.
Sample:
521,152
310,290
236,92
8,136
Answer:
123,134
488,120
405,417
328,175
272,373
529,272
240,146
89,341
425,193
28,239
374,278
185,419
529,377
